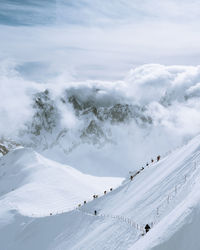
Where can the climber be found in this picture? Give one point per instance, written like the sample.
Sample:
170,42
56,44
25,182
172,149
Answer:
147,164
104,192
152,160
158,157
95,212
147,228
84,202
131,177
111,189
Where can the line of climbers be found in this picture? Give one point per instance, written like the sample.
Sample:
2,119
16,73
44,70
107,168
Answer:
147,164
95,196
147,227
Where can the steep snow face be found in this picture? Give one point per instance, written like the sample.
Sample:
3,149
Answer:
164,195
36,186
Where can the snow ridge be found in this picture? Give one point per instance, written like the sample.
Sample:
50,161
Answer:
164,195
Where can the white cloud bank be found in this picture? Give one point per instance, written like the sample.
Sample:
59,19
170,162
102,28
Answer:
169,95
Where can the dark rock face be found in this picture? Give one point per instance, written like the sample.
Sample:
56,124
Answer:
3,150
94,129
7,145
120,112
93,133
40,130
97,117
116,113
76,105
46,114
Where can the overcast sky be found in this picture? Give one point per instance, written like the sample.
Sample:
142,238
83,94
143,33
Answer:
97,39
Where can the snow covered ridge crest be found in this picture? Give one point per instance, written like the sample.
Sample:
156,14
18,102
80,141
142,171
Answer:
164,195
29,181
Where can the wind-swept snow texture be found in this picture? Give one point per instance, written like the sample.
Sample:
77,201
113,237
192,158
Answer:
165,195
36,186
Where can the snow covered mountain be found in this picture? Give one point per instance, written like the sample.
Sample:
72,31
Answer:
165,195
90,91
34,185
96,116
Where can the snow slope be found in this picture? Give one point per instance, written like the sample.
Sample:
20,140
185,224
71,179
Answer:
37,186
165,195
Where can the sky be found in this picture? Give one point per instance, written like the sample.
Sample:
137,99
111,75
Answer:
97,39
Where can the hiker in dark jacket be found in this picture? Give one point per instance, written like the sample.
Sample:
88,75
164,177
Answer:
152,160
158,157
95,212
147,228
147,164
131,177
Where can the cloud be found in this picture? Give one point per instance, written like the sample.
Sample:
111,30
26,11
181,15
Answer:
100,39
16,99
167,94
100,12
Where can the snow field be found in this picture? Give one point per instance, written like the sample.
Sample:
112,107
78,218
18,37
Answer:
165,195
36,186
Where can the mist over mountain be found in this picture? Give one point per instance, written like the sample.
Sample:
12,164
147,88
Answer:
134,116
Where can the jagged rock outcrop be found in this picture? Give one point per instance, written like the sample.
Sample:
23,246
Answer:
46,114
96,118
42,129
93,133
6,145
115,113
